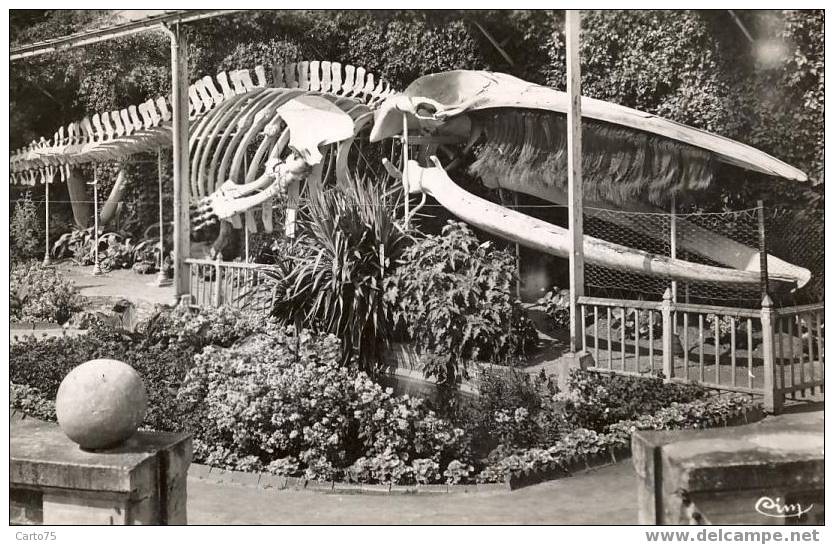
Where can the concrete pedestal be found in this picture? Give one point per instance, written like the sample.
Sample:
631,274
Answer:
53,481
766,473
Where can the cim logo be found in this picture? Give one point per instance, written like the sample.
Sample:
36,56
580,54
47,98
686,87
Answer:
775,508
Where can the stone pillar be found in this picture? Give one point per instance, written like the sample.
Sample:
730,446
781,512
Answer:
767,473
53,481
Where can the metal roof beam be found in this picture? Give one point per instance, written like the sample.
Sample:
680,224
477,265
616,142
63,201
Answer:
115,31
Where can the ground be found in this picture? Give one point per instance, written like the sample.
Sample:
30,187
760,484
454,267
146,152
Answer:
604,496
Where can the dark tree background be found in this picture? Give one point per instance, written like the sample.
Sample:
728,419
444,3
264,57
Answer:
691,66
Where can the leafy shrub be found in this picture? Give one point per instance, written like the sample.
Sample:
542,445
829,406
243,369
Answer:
454,296
702,413
41,293
285,396
221,326
348,243
556,304
583,443
31,402
115,250
25,229
515,410
45,362
597,400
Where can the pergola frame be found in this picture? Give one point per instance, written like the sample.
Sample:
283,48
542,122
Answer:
169,23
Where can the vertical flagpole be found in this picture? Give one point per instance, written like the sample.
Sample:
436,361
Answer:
573,23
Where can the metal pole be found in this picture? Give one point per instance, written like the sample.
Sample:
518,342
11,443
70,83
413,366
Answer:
405,170
161,278
573,23
763,249
179,93
673,253
248,214
517,257
46,260
96,266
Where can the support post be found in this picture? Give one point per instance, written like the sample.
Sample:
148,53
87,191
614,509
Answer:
406,201
773,399
96,265
668,354
673,253
573,23
763,249
161,279
46,259
179,92
517,257
218,282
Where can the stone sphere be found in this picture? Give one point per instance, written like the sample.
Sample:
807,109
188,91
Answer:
101,403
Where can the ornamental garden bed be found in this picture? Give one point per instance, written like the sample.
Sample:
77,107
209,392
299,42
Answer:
267,401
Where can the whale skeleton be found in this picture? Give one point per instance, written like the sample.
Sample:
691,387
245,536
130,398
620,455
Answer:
253,142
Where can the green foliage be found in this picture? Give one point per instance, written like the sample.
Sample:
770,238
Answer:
182,326
115,250
259,397
582,443
514,410
556,304
42,294
162,353
597,400
25,229
31,402
332,281
284,402
454,296
696,67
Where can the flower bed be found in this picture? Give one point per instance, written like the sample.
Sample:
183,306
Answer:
584,448
269,400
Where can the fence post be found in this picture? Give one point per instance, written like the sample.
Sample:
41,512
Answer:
218,271
668,355
772,399
763,249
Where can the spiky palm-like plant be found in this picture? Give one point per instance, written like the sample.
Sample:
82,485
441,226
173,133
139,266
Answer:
331,279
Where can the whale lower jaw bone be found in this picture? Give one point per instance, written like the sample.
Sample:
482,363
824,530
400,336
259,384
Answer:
551,239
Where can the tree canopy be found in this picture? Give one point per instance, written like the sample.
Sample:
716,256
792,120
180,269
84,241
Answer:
696,67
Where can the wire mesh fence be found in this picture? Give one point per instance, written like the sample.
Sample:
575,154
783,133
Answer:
725,239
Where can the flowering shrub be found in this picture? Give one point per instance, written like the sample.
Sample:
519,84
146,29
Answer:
426,471
454,296
705,413
285,396
583,443
457,472
42,294
596,400
514,410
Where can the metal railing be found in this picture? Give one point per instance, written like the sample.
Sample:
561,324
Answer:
776,353
229,284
